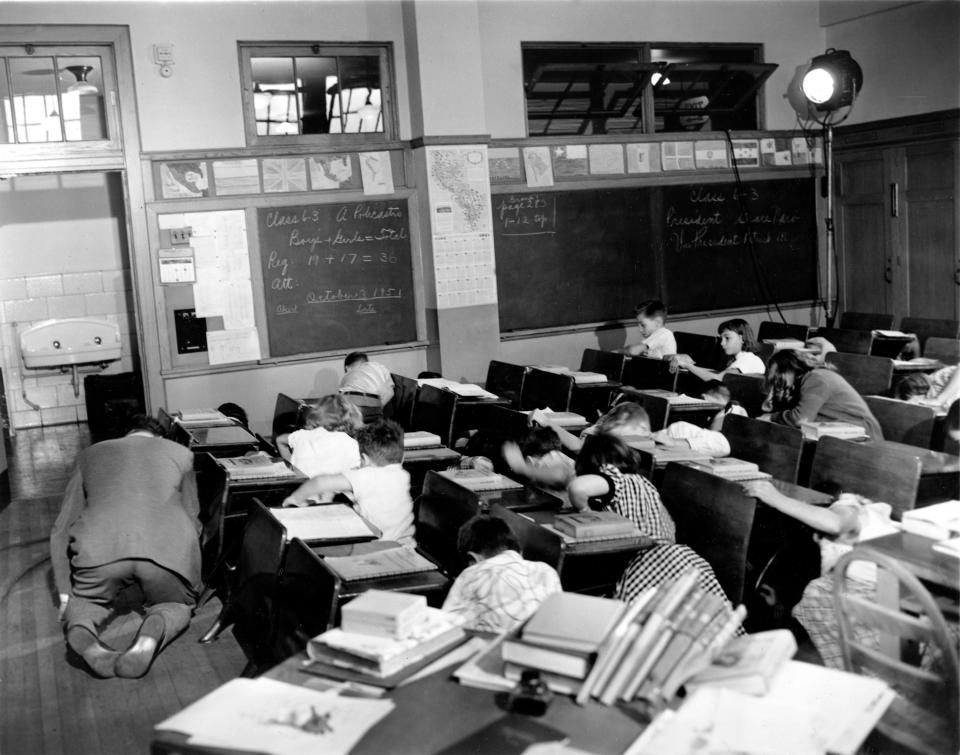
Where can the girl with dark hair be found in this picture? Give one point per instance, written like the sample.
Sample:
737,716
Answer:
608,473
800,392
739,345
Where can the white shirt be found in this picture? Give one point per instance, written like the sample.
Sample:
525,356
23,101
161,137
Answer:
701,440
383,497
748,363
319,451
369,377
660,343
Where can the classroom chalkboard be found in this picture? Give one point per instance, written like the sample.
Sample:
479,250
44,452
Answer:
726,246
584,256
336,276
571,257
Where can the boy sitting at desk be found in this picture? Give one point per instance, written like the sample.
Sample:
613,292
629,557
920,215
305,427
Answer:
380,487
658,342
501,588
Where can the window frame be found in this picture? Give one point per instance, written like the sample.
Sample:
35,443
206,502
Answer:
645,57
388,104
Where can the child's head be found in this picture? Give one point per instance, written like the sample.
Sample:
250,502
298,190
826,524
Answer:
602,450
784,371
628,418
486,536
353,359
651,315
334,413
381,443
139,423
540,441
234,411
715,390
736,335
912,386
428,375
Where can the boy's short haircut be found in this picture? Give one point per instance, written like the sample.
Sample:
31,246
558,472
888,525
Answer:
718,388
914,384
381,442
354,357
625,413
486,536
651,308
334,413
540,441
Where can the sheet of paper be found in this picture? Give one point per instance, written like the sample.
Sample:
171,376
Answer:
226,346
236,177
643,158
263,715
238,305
377,173
284,174
711,153
505,165
677,155
538,166
606,159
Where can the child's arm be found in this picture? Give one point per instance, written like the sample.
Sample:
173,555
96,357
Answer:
683,360
829,521
283,446
582,489
547,475
317,486
569,441
633,349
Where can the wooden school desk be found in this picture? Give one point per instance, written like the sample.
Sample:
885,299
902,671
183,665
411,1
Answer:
939,473
436,715
219,440
419,461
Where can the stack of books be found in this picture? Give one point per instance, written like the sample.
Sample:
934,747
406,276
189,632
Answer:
816,430
479,481
382,660
594,525
255,466
421,439
731,469
383,613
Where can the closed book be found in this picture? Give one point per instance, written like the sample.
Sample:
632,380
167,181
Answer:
817,430
594,524
385,563
586,378
938,521
748,663
382,612
731,469
564,685
421,439
567,662
571,621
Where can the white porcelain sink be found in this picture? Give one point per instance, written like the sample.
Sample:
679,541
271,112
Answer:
71,341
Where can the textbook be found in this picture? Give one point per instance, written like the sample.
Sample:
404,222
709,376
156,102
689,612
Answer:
384,563
580,377
465,390
328,521
731,469
573,540
478,480
566,662
563,419
817,430
571,621
202,416
255,466
749,663
587,524
421,439
383,613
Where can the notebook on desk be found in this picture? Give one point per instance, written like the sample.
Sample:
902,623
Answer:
326,522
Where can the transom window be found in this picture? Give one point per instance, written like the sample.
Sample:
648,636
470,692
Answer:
317,93
642,88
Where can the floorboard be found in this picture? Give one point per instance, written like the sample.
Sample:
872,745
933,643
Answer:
49,703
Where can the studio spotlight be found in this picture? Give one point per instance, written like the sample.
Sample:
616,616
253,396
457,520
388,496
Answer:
833,81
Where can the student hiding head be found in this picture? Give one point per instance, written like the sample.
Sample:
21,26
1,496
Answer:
540,441
606,450
485,536
334,413
381,443
911,386
627,418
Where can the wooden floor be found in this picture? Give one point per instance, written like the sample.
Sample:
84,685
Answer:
49,703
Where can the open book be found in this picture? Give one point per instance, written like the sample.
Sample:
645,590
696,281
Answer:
385,563
466,390
328,521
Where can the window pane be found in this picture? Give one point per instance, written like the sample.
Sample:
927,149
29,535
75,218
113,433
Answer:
275,96
81,87
319,93
34,84
7,135
360,93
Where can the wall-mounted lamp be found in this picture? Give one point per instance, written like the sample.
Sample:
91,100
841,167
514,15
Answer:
81,85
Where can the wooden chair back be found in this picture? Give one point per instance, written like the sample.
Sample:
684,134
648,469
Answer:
400,408
442,509
714,517
902,421
866,321
506,380
307,599
868,375
876,471
288,413
704,350
643,372
847,341
508,424
433,411
927,327
947,350
769,329
607,363
776,449
537,543
923,716
543,389
746,390
942,440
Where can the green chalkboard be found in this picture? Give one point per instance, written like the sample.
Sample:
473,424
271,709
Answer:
570,257
336,276
590,255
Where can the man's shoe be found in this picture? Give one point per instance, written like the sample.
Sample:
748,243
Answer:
99,657
135,662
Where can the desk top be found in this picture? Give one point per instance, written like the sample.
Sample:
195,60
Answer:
931,462
917,554
611,545
218,435
441,453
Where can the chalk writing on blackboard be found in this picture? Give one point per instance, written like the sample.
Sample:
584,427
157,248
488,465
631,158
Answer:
525,214
337,275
